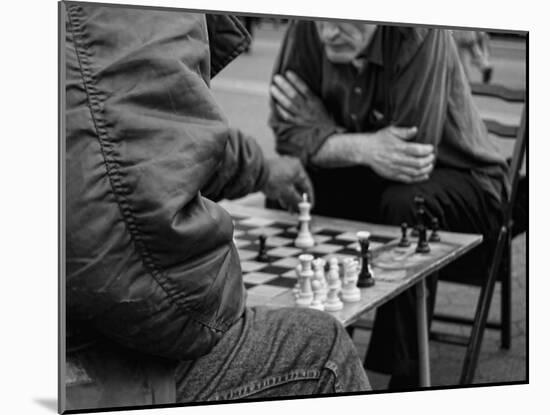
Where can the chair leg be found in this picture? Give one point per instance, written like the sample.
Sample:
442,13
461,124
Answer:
482,311
506,297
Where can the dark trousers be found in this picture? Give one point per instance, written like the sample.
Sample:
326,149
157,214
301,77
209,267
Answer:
455,198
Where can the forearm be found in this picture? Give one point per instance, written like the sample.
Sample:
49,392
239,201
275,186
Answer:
343,150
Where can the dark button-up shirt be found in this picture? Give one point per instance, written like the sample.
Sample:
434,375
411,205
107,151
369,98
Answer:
407,77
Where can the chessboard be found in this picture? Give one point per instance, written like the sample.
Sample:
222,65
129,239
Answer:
271,281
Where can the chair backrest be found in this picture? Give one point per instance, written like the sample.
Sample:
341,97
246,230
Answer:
507,131
517,160
503,93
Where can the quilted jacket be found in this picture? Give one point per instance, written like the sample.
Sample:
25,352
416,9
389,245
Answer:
151,269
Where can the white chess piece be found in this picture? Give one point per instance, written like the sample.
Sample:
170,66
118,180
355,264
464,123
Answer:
350,292
296,289
317,302
304,238
319,275
334,284
333,302
306,274
333,275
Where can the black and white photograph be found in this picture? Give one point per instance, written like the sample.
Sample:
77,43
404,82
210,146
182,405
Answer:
259,207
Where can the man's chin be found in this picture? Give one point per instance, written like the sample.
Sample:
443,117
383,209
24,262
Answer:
339,56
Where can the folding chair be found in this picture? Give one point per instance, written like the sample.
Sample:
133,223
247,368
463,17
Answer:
500,265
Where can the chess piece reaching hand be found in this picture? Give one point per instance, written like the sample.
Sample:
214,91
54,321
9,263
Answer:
286,182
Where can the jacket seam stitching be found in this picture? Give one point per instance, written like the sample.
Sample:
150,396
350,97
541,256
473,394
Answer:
239,48
111,165
267,383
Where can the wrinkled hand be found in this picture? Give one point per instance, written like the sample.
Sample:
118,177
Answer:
391,156
287,181
295,103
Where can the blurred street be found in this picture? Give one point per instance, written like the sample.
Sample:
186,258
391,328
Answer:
242,91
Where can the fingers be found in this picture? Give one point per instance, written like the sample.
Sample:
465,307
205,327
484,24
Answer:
415,162
303,185
415,173
414,170
412,149
290,198
287,181
281,99
300,85
299,183
285,115
418,150
287,94
404,133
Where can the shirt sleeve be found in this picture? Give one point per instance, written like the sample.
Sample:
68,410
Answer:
419,86
301,52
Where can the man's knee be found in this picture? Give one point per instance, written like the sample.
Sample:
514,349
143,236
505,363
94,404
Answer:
342,370
314,323
397,201
318,332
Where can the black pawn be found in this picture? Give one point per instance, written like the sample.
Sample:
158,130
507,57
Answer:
365,278
423,247
262,251
404,242
420,212
434,236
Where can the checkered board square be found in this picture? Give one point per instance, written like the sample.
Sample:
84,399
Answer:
265,280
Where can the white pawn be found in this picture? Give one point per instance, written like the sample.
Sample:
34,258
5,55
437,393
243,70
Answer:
296,292
296,289
306,274
319,275
333,302
333,275
304,238
317,302
350,292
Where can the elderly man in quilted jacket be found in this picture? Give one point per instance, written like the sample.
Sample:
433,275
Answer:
155,302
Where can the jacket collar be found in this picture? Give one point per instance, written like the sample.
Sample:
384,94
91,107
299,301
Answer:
373,51
227,39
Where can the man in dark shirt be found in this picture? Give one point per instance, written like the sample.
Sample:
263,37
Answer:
378,115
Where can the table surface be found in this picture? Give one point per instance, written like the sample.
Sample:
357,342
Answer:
390,280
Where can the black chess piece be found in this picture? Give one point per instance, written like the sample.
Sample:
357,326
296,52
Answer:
422,247
420,215
262,251
365,278
404,242
434,236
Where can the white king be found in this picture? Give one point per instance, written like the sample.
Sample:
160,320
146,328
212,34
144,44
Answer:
304,239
